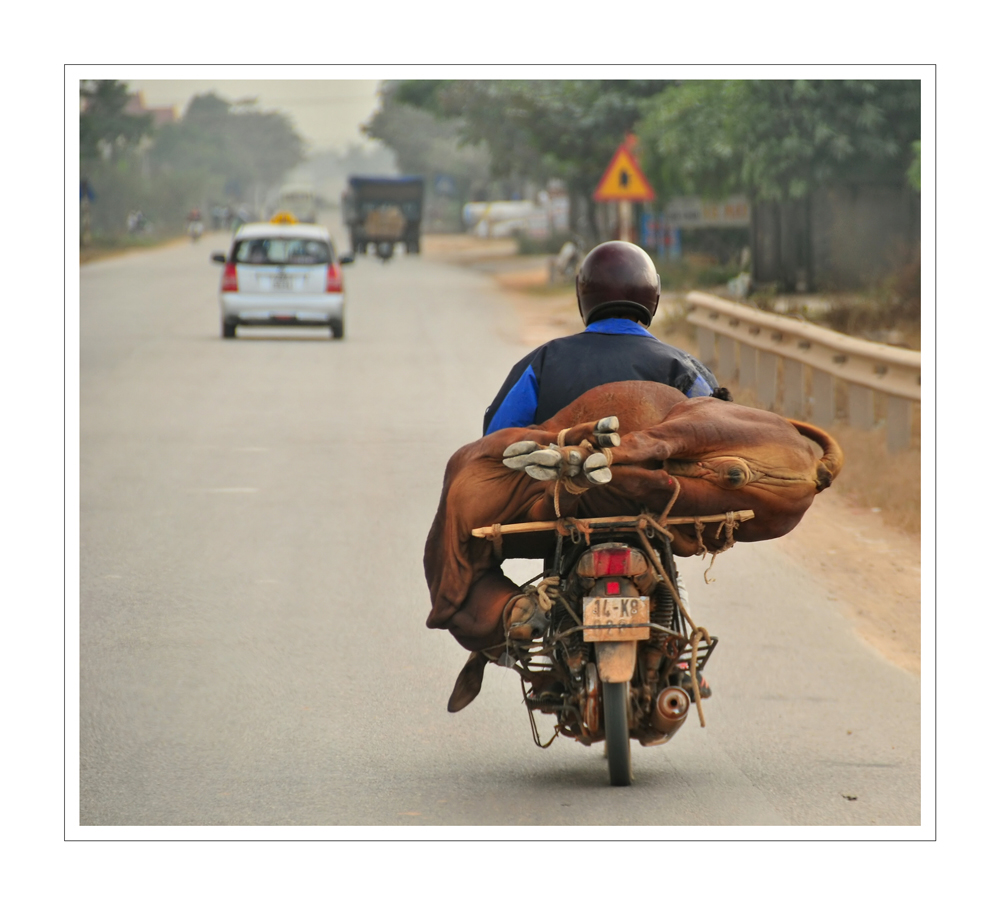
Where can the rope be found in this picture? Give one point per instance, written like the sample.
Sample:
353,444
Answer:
545,601
696,637
677,492
730,524
497,538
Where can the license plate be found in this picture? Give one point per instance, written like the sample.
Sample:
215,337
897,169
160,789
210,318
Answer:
615,618
281,281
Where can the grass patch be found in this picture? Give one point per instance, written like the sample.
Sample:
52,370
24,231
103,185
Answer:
551,245
693,272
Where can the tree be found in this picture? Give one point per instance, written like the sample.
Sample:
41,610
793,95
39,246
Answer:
227,142
779,139
425,142
106,130
538,129
913,173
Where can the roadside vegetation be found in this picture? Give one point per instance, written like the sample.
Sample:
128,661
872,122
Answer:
217,153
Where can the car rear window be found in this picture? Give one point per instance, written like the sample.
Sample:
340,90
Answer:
282,251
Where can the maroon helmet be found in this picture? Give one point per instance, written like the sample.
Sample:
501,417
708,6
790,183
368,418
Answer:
617,279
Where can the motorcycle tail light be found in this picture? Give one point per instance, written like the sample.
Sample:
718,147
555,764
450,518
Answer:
334,279
229,281
613,559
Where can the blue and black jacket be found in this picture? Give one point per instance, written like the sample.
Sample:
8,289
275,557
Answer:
610,350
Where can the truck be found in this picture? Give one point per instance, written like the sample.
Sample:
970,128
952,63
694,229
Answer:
382,211
301,201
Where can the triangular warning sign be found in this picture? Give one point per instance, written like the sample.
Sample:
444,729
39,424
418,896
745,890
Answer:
623,180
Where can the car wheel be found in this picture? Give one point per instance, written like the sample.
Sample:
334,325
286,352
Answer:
228,330
337,329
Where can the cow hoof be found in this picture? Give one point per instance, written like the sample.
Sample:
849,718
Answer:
605,432
596,469
517,455
520,448
540,473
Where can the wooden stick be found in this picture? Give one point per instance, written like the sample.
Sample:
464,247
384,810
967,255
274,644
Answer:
741,515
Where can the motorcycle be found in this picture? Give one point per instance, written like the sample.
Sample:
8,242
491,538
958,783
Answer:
195,230
610,649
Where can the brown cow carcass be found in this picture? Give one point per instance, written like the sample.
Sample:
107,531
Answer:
699,457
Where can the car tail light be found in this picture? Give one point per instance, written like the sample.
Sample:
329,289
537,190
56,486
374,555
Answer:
334,279
229,281
616,559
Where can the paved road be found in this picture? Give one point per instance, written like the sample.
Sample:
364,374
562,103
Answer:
252,600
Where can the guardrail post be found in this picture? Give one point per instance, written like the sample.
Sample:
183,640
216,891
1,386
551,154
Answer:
793,392
748,366
860,407
767,378
706,346
727,359
823,404
898,423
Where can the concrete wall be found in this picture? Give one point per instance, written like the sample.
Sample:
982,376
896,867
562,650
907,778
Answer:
844,237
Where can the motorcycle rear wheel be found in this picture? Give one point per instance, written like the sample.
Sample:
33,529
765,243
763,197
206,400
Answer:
616,700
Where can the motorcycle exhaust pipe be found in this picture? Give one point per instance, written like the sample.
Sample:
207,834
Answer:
670,711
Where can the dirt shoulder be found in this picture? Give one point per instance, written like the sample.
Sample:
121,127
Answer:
871,568
92,253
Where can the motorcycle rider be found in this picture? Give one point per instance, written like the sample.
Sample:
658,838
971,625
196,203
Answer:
195,227
617,292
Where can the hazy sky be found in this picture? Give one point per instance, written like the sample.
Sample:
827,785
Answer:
327,114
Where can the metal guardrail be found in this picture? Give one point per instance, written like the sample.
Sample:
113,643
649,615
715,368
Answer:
751,343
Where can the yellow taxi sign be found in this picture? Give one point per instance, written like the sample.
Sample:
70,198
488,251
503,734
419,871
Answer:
284,217
623,180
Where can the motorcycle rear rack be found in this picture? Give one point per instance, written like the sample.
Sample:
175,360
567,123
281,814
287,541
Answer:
705,648
609,523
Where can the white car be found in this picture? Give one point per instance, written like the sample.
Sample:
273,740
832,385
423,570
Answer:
282,274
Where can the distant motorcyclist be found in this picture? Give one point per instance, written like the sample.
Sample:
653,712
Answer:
194,225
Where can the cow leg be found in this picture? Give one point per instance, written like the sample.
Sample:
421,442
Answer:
560,462
478,624
653,486
600,434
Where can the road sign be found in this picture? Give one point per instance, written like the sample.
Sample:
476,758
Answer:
623,180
